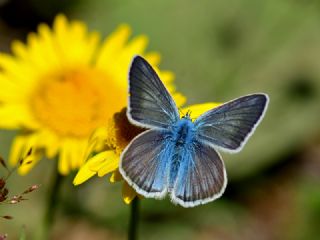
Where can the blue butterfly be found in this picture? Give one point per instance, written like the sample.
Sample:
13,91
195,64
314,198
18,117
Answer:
177,156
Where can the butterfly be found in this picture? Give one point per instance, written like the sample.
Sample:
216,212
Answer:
177,156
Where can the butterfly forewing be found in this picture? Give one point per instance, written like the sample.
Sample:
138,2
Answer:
230,125
150,104
144,163
201,177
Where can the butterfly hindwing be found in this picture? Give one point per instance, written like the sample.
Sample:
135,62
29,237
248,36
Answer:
230,125
201,177
144,163
150,104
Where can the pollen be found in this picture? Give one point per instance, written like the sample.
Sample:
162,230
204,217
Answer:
74,102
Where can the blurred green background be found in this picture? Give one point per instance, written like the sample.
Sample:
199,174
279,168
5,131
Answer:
219,50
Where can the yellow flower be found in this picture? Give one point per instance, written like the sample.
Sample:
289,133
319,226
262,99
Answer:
62,85
117,135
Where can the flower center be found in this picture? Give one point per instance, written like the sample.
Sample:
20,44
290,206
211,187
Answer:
75,102
121,131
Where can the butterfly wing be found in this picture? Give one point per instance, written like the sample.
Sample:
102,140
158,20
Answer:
150,104
144,163
201,176
230,125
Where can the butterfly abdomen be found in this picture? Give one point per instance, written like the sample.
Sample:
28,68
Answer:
182,137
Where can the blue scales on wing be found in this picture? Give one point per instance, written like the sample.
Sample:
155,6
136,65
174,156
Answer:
231,124
144,163
150,104
201,176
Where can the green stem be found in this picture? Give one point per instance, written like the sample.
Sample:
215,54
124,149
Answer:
52,202
134,218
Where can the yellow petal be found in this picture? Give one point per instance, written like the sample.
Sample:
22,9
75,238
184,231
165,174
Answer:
44,55
116,176
9,90
112,46
136,46
110,164
51,143
77,152
17,71
19,49
64,164
49,47
29,163
89,169
18,145
7,62
92,166
97,161
198,109
21,146
13,116
71,154
128,193
60,24
74,44
97,140
84,174
38,54
179,99
167,77
153,58
86,42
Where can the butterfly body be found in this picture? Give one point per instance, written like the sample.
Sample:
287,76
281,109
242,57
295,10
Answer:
181,137
177,156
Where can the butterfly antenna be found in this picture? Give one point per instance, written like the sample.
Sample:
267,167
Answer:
188,114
